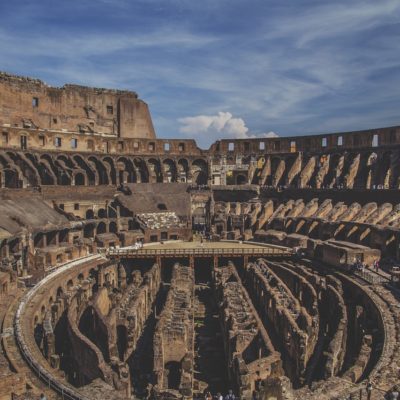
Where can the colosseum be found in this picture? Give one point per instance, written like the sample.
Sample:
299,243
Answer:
134,267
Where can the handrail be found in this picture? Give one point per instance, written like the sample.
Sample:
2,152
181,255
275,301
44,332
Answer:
66,392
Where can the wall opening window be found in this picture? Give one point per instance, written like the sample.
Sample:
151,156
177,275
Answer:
231,146
166,146
262,146
54,120
120,146
151,146
74,143
110,110
277,146
375,140
42,140
292,146
4,138
324,142
35,102
90,144
76,206
24,142
164,235
340,141
57,141
246,146
135,145
61,206
181,147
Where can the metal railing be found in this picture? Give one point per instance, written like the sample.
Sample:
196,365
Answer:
371,277
44,374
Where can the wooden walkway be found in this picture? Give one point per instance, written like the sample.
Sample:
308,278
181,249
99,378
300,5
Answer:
208,249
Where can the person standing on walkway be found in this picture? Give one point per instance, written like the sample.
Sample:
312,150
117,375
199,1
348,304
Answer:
230,396
369,389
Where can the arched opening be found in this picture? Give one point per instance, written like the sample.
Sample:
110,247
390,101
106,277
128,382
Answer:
79,179
154,169
200,172
101,171
101,228
91,326
173,371
170,171
126,171
70,285
113,227
111,167
89,214
142,170
91,177
102,213
88,231
122,341
183,170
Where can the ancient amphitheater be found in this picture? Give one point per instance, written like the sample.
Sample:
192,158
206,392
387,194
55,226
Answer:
134,267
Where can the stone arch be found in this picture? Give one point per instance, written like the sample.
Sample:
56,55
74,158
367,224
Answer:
88,230
89,214
70,284
102,171
183,170
46,174
65,167
334,176
383,171
79,179
126,170
101,228
112,227
170,170
199,172
154,168
91,174
102,213
143,170
109,162
10,178
28,170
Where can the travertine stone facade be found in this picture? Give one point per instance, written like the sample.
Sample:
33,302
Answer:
30,103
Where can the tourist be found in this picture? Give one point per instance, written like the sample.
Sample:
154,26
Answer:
394,394
369,389
43,397
219,396
230,396
208,395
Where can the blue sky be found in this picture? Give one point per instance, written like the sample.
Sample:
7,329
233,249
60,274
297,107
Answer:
220,68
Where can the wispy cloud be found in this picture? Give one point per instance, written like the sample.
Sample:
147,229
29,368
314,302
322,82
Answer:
289,67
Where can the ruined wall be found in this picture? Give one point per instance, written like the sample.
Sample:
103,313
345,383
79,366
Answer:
174,337
30,103
251,357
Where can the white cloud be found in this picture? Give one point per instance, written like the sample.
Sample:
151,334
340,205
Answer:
222,125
